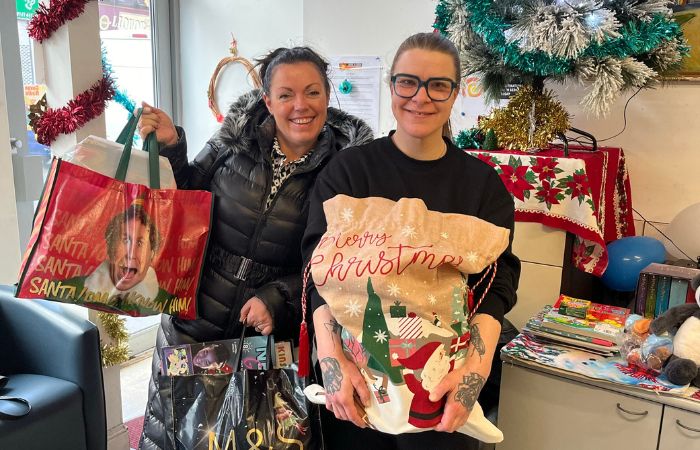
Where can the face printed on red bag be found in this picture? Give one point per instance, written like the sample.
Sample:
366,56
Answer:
130,254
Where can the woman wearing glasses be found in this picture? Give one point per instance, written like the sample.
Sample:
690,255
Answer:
417,162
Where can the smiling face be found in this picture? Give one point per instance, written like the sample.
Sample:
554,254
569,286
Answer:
298,101
420,117
206,358
131,255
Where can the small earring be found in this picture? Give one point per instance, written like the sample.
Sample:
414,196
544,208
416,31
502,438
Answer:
345,87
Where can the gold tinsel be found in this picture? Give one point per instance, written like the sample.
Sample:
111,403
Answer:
116,350
512,124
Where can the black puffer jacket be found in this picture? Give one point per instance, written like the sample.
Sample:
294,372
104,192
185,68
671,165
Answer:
236,166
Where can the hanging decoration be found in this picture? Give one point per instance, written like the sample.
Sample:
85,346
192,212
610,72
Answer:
83,108
48,123
609,45
115,349
531,120
48,19
234,58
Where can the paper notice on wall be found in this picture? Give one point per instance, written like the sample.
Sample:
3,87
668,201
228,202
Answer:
355,87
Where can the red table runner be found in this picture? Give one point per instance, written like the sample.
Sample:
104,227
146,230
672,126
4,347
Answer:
586,193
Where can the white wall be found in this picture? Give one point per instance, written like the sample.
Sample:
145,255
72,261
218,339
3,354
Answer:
366,27
206,27
661,144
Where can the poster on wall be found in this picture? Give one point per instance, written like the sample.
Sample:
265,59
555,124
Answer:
355,85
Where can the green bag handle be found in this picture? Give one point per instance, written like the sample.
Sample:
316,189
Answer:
126,137
131,123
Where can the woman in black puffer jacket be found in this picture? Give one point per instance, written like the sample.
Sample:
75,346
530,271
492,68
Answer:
260,166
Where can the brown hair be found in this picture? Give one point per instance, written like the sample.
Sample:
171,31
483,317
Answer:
434,42
134,212
268,63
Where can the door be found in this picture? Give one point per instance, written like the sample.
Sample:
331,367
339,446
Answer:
12,142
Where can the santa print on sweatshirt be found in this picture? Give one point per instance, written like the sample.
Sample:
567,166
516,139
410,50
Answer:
394,275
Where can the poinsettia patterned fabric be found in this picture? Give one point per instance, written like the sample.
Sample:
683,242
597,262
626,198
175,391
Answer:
394,275
587,194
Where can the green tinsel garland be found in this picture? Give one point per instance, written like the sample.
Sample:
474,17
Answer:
636,38
443,17
117,350
471,138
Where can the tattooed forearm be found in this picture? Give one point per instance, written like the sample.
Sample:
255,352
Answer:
468,390
476,341
333,327
332,376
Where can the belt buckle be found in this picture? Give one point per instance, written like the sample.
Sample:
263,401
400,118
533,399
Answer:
243,269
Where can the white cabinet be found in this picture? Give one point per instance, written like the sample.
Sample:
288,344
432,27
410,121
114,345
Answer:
541,252
679,430
544,410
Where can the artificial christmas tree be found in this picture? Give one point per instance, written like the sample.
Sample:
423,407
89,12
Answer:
608,45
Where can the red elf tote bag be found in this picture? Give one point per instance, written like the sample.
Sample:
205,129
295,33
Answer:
114,246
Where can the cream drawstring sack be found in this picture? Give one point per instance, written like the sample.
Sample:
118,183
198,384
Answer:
394,275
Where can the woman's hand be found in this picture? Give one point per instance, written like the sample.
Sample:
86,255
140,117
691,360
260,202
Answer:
347,394
463,385
154,119
255,313
462,388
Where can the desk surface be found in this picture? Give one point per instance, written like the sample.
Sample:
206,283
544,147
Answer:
586,193
680,397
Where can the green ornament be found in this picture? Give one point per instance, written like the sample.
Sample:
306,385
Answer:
490,141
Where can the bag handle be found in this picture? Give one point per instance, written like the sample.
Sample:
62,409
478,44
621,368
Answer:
131,123
126,137
239,351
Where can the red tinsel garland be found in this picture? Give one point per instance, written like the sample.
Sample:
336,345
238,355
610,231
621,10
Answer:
48,19
79,111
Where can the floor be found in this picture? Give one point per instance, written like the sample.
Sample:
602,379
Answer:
135,375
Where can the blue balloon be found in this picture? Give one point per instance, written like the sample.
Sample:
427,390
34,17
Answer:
627,257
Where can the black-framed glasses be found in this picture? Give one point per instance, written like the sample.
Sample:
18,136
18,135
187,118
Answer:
407,86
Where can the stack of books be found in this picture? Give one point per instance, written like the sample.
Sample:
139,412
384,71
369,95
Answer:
580,324
663,286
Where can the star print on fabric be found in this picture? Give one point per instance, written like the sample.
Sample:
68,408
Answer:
431,299
394,290
352,308
409,231
380,336
347,214
444,235
472,257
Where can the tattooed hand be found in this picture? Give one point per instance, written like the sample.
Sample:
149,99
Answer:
346,388
468,390
462,390
332,376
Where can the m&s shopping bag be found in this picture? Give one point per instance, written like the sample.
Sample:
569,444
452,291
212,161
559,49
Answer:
263,409
115,246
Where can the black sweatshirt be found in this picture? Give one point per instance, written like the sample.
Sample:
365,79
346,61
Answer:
455,183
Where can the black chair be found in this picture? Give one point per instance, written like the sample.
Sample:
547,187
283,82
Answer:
52,360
